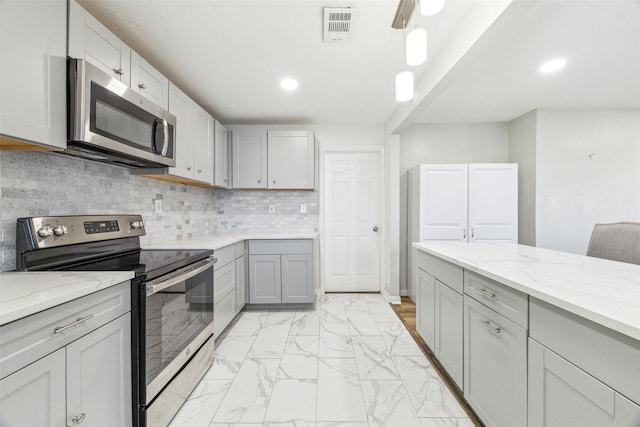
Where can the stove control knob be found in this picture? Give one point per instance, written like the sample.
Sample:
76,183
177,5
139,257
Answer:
60,230
137,224
45,231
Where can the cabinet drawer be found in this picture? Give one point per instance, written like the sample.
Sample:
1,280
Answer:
239,249
27,340
224,256
495,366
224,281
223,313
281,247
589,346
446,272
511,303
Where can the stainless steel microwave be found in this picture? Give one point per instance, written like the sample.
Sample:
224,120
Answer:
112,123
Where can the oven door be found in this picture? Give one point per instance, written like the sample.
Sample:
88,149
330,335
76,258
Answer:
179,319
110,118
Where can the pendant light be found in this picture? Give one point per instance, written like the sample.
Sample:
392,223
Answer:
404,79
416,47
431,7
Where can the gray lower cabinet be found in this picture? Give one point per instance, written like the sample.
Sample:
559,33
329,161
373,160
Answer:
495,366
81,374
563,395
439,322
281,271
241,284
265,279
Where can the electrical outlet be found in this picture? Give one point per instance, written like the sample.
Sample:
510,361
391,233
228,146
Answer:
303,208
272,208
158,205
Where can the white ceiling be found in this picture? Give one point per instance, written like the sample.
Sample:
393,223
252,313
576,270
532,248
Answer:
499,80
230,55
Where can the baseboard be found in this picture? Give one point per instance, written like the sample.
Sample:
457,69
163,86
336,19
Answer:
391,299
404,293
319,291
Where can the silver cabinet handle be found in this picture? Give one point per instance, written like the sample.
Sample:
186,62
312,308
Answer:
495,329
375,228
78,419
59,329
486,293
199,170
464,233
472,232
142,85
189,168
259,180
225,180
118,71
274,181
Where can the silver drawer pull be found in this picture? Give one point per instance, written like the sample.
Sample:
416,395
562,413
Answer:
59,329
485,292
495,329
78,419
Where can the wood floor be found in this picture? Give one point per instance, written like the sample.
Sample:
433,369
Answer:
406,311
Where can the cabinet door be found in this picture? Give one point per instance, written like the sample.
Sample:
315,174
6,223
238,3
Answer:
249,159
265,280
92,41
221,156
99,375
297,278
35,395
202,124
241,285
148,81
495,366
443,202
561,395
448,340
33,66
180,106
291,160
426,308
493,202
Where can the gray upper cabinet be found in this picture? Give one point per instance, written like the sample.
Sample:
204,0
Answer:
561,394
221,156
148,81
249,159
495,366
291,159
33,56
92,41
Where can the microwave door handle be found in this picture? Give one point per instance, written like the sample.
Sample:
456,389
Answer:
165,137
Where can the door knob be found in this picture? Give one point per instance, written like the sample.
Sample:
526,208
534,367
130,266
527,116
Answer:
375,228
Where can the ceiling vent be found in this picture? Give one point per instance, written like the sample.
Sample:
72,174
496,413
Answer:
338,24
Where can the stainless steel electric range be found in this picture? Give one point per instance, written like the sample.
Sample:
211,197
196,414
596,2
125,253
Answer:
172,300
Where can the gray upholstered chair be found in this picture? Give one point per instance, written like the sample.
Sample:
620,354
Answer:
618,241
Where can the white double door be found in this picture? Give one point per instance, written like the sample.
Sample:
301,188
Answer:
352,195
469,202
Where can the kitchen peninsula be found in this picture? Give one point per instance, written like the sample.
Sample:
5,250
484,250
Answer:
531,335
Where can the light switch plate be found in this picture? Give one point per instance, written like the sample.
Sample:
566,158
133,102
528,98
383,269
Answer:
158,205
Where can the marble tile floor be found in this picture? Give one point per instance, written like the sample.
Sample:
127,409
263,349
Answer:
350,362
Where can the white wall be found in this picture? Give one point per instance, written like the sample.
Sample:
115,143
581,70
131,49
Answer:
522,150
445,143
575,190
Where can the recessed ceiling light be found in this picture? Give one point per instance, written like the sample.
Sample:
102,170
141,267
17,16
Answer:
553,65
289,84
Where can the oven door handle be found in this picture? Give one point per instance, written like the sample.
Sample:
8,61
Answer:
180,276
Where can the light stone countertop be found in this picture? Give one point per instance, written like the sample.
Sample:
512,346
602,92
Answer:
221,240
25,293
603,291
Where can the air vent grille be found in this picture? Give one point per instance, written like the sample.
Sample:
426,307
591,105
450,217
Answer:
338,24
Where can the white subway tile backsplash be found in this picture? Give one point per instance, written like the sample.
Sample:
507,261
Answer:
41,184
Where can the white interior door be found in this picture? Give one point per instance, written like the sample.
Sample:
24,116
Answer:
443,202
493,202
352,195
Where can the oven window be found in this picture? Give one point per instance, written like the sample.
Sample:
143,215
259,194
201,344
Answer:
174,317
